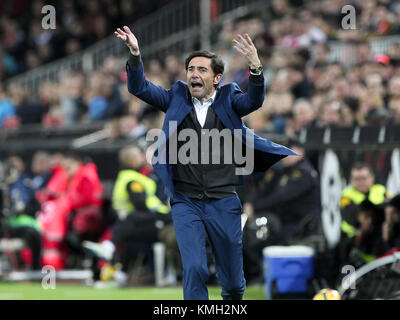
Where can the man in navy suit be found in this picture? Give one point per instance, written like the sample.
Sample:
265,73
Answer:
202,195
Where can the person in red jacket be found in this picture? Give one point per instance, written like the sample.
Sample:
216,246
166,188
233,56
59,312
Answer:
84,187
79,200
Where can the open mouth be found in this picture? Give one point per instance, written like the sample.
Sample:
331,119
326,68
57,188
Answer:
196,85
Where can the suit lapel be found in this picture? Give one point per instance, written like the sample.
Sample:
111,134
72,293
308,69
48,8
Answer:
220,108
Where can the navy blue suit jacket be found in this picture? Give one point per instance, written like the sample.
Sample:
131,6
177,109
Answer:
230,105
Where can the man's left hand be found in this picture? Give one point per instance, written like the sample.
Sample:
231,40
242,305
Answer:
245,46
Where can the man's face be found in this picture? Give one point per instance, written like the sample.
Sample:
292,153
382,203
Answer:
71,166
40,164
392,215
362,179
365,221
201,78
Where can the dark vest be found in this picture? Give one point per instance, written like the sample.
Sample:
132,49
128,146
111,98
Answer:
205,179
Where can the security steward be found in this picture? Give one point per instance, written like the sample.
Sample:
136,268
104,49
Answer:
362,188
289,196
142,217
292,193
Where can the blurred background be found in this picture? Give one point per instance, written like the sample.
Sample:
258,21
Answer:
69,127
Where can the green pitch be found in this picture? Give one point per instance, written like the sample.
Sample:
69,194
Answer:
34,291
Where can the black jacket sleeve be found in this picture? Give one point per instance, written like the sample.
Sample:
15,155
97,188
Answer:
284,194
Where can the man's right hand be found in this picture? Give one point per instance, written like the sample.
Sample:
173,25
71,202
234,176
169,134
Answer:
248,209
129,39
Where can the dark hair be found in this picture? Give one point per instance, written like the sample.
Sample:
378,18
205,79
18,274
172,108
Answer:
352,103
297,66
217,65
375,212
74,156
361,165
395,202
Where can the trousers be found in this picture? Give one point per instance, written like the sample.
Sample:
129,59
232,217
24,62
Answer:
220,219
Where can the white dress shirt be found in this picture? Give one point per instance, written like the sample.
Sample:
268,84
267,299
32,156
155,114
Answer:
201,109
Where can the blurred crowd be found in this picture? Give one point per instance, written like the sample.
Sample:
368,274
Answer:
57,204
79,24
306,87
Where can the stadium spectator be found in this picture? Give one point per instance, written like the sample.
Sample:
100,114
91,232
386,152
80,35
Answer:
319,55
330,114
49,101
19,180
348,112
394,108
7,109
362,187
79,24
96,102
27,111
41,170
278,102
22,222
290,195
303,117
300,85
311,71
391,225
71,97
71,192
143,218
130,128
368,241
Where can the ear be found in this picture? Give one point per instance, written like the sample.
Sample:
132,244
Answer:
217,78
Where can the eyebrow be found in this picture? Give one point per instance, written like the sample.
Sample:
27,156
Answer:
200,67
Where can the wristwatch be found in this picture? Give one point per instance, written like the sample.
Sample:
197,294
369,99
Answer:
257,70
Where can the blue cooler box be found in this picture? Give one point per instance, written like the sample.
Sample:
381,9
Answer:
291,267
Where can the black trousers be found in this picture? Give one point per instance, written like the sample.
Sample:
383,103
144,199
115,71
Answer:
32,240
137,227
137,232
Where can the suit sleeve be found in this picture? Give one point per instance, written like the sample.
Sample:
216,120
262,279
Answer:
245,103
144,89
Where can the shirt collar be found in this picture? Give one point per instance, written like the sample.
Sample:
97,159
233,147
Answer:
210,100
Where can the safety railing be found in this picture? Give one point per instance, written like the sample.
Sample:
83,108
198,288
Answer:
345,52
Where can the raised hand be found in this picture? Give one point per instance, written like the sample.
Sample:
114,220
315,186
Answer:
245,46
129,39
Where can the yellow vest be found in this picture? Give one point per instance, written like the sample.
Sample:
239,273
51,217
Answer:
376,195
120,196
